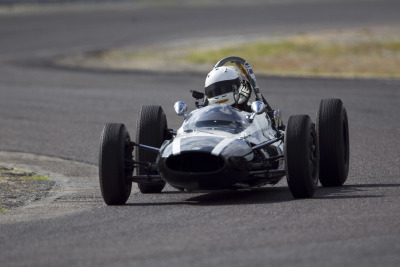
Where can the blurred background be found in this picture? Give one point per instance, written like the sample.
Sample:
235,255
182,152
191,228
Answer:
68,67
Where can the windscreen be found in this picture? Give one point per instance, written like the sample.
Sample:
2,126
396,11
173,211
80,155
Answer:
218,117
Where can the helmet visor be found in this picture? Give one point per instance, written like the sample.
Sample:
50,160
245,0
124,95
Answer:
222,87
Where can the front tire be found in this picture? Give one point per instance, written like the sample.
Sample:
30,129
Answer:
115,152
333,136
150,130
301,156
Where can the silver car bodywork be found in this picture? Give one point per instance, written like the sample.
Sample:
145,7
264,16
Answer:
214,149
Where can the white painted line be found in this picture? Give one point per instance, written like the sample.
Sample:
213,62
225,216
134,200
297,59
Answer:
218,148
176,146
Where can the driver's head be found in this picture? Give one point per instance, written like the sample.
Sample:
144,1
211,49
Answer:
224,85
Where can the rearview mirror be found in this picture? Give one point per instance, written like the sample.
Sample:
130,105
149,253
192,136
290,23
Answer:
257,107
180,109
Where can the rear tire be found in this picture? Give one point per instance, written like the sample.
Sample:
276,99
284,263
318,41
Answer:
333,136
301,156
150,130
114,171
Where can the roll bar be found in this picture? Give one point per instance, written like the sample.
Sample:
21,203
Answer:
247,71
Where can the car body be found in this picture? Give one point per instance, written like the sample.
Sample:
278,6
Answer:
223,147
214,150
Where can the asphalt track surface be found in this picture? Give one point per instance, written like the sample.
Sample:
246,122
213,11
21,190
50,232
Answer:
60,113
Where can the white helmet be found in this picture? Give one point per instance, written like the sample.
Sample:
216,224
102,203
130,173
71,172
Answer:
224,85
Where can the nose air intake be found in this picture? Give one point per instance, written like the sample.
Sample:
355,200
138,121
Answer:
195,162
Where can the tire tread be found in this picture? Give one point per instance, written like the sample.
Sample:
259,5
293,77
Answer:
299,177
114,189
331,118
150,128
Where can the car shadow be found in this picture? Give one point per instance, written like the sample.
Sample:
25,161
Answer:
264,195
352,191
219,198
242,197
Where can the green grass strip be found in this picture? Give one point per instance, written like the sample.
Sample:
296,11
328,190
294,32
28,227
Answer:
302,55
37,177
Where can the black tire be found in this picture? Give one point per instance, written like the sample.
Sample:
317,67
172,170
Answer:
113,169
150,130
301,156
333,136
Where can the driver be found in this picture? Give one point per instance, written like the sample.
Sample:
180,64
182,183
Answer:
224,85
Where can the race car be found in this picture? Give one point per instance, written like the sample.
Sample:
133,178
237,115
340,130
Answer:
220,147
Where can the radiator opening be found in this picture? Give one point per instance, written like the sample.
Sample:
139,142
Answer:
196,162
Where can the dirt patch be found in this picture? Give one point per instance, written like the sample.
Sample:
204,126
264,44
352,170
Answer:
20,188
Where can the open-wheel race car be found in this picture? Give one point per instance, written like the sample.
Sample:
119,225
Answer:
220,147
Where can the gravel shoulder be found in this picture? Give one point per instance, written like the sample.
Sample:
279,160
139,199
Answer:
73,187
19,188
